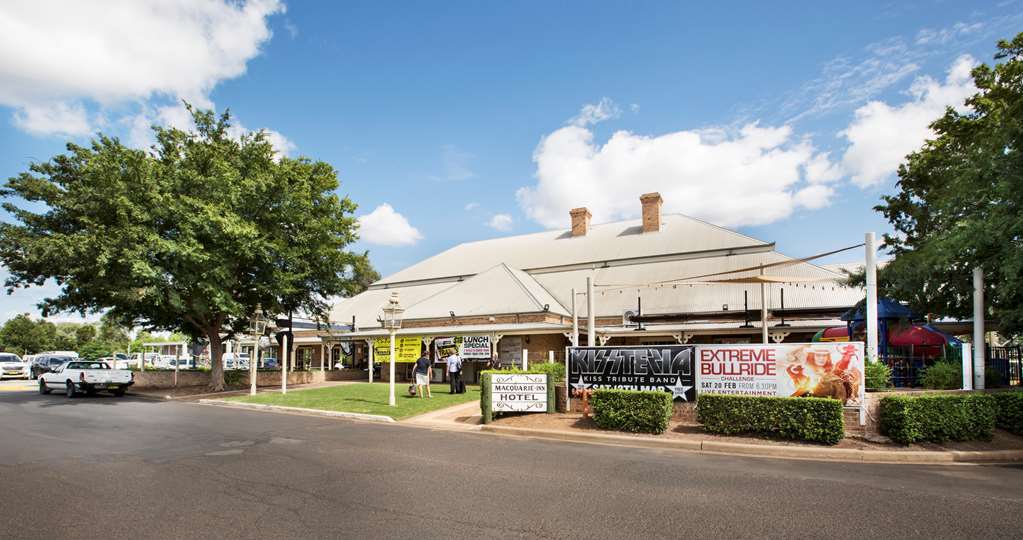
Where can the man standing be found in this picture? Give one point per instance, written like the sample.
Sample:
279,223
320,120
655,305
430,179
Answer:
423,376
455,373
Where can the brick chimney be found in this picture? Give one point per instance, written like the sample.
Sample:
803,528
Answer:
651,211
580,221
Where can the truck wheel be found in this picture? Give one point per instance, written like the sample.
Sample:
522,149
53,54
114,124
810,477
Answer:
42,388
70,389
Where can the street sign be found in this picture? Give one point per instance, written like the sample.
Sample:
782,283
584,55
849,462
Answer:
518,393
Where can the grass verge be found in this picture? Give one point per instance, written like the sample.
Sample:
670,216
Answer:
365,398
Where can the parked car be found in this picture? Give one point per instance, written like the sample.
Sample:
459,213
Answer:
236,360
13,366
269,362
84,376
47,362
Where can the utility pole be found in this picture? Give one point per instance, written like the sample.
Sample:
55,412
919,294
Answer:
978,328
870,269
591,323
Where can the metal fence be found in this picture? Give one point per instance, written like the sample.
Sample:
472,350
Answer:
908,363
1004,364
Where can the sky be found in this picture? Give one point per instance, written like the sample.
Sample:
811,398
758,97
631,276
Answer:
453,121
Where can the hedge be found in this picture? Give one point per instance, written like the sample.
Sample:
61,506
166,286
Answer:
1009,414
938,418
631,410
805,419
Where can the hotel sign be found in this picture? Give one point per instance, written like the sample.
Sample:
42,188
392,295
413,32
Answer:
669,368
518,393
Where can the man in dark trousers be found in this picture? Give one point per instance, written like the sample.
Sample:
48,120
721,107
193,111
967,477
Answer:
455,373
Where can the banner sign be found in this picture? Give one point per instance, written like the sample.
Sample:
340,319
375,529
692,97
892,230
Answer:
787,370
406,349
670,368
518,393
468,347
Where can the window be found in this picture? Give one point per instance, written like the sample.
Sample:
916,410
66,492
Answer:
9,358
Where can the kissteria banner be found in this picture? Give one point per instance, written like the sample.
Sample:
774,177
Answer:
467,347
786,370
670,368
406,349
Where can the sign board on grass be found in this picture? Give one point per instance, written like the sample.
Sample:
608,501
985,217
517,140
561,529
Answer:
518,393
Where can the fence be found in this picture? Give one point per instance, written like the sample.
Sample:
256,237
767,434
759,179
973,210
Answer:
908,363
1007,363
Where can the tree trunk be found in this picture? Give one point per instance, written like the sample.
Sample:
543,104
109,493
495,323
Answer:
216,361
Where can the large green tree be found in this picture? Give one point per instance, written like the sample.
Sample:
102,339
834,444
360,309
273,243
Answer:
189,236
960,203
21,335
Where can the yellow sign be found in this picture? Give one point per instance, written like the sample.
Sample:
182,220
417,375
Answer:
406,349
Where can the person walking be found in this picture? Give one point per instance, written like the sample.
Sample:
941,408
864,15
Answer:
455,373
423,376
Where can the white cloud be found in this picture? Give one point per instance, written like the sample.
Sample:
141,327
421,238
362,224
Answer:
881,135
456,163
752,176
500,222
57,57
594,113
472,206
58,118
929,36
386,227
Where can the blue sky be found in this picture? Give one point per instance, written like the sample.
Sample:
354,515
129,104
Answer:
471,120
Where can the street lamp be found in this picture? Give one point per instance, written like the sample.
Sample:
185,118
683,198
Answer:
257,325
392,322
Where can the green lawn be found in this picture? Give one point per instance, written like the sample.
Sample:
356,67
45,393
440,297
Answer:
365,398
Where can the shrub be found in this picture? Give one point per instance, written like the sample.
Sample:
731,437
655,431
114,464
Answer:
556,370
942,376
878,376
938,418
631,410
804,419
993,377
1009,411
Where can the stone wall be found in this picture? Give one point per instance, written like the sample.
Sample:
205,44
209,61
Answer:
153,380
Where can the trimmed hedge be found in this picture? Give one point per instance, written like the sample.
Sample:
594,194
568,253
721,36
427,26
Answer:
631,410
938,418
1009,414
804,419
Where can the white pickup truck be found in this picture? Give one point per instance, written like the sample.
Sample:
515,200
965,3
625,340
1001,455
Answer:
89,377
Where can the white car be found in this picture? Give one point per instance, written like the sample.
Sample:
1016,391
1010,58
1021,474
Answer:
83,376
236,360
13,366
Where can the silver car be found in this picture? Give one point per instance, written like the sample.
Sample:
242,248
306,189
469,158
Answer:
12,366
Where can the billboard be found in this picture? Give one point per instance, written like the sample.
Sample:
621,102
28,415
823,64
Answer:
786,370
669,368
467,347
406,349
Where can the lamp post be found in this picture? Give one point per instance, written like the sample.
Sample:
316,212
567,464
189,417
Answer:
392,322
257,325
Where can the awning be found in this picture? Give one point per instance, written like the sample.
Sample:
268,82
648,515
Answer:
457,330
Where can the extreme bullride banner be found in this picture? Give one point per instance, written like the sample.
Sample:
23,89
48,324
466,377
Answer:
786,370
670,368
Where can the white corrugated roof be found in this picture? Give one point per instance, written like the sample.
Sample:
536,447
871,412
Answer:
499,290
604,242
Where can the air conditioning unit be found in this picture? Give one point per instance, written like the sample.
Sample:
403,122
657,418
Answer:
627,316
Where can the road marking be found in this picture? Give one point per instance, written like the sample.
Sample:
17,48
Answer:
234,452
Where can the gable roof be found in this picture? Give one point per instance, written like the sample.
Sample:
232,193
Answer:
498,290
618,241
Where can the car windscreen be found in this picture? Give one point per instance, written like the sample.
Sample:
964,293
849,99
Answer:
57,361
9,358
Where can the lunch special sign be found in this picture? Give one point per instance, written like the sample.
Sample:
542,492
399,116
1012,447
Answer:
786,370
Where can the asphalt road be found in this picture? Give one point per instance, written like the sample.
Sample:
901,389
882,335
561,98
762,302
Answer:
130,468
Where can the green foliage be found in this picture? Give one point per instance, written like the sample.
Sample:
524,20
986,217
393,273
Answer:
804,419
555,369
21,335
94,350
631,410
938,418
234,377
959,204
189,236
878,375
993,377
1009,407
84,334
942,375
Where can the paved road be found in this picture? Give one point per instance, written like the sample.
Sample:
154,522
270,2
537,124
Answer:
130,468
